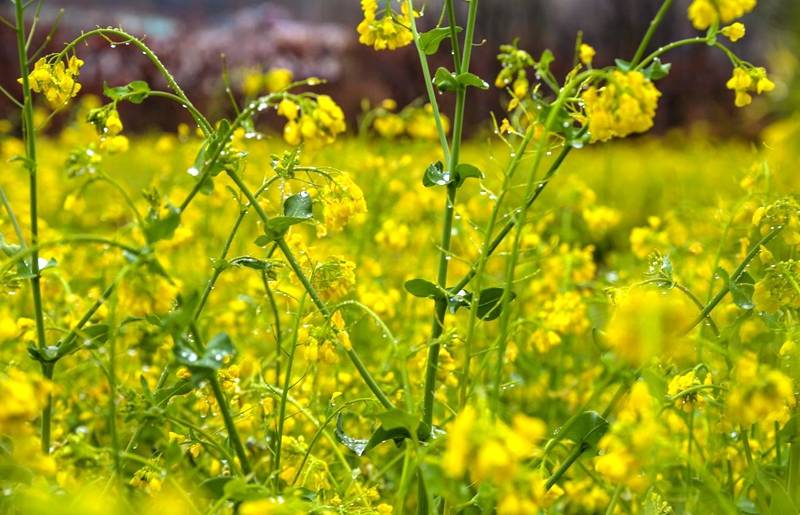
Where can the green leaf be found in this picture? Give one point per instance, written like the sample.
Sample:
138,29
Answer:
357,445
298,206
467,79
423,289
622,64
466,171
436,176
395,425
657,70
489,305
217,353
429,41
586,429
458,299
159,228
296,209
445,80
781,502
135,92
742,289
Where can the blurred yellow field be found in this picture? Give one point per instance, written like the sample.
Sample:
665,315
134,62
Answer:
557,314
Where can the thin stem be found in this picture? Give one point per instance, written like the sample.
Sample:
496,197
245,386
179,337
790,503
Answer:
426,74
32,250
511,223
312,293
451,16
287,384
521,216
13,218
650,31
667,48
733,278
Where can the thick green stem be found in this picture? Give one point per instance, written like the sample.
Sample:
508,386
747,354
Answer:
29,131
650,31
440,307
230,426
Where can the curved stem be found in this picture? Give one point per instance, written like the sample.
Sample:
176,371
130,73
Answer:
312,293
130,38
33,250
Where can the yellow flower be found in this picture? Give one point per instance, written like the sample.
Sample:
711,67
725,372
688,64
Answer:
387,33
586,54
113,123
278,79
704,13
647,323
115,144
56,81
288,109
734,32
314,121
625,105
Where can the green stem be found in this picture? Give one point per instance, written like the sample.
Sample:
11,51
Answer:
287,384
130,38
667,48
451,16
426,74
614,499
80,238
521,216
29,131
650,31
733,278
233,433
312,293
440,306
511,223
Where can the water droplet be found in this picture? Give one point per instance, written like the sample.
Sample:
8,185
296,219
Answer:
194,172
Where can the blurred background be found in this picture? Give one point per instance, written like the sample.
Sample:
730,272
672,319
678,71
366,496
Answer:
317,38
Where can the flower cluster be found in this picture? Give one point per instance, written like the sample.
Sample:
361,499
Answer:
704,13
758,395
513,72
276,79
646,324
313,120
334,278
389,32
342,202
491,451
746,80
630,447
108,124
57,81
625,105
777,289
414,121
